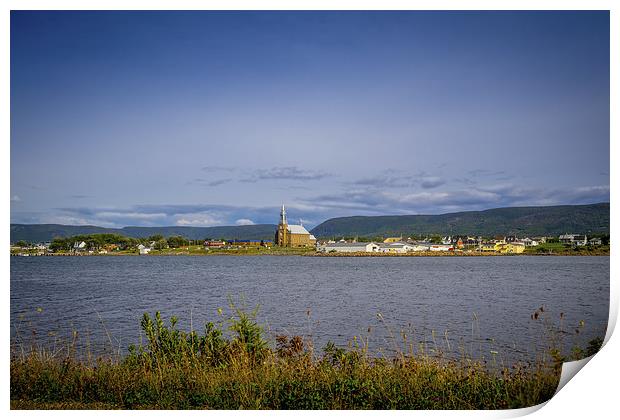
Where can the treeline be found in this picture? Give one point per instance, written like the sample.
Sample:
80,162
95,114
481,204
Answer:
98,241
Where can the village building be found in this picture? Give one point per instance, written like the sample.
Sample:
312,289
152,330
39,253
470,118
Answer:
292,235
572,239
440,248
392,240
529,242
420,246
513,248
351,247
489,247
143,250
595,241
249,242
214,244
395,247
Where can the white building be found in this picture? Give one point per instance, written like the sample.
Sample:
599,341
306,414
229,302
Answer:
572,239
143,250
420,247
595,241
441,247
351,247
395,247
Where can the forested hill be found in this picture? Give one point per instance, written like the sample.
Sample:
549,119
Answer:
531,221
46,232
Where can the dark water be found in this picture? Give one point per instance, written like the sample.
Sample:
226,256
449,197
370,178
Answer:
474,304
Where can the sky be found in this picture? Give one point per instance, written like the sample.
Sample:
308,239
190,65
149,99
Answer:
218,118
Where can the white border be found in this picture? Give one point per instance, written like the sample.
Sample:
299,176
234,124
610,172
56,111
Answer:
591,395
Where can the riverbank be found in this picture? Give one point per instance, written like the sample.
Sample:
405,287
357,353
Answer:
181,370
313,253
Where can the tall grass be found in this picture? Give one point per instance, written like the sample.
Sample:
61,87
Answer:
231,366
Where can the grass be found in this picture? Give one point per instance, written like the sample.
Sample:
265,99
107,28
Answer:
562,249
230,365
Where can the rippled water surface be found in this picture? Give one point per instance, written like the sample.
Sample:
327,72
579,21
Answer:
480,305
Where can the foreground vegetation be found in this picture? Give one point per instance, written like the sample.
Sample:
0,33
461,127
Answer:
230,366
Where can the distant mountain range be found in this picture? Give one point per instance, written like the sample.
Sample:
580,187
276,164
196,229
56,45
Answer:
520,221
43,233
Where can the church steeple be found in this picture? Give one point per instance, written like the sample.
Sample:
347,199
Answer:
283,216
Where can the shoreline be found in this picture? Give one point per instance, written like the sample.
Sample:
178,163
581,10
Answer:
331,255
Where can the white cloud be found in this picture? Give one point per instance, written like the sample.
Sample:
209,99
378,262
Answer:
198,219
130,215
243,222
78,221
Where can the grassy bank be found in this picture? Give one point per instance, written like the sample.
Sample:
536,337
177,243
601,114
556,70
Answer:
231,366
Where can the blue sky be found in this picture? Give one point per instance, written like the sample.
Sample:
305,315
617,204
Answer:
217,118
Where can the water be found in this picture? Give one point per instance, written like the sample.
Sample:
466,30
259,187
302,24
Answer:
480,305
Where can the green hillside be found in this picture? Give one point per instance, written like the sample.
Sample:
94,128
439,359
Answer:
521,221
533,221
46,232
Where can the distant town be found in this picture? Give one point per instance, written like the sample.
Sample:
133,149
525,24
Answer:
295,239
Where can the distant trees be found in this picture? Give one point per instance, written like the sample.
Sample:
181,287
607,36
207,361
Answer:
161,243
435,239
177,241
101,240
61,244
94,241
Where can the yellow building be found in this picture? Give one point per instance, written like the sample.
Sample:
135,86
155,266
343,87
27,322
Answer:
510,247
292,235
392,240
489,247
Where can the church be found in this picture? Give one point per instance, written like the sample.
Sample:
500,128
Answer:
292,235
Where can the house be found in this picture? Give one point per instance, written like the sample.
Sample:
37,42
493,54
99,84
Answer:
249,242
79,246
490,246
392,240
511,247
595,241
580,240
143,250
446,240
214,244
502,247
472,241
351,247
529,242
573,239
